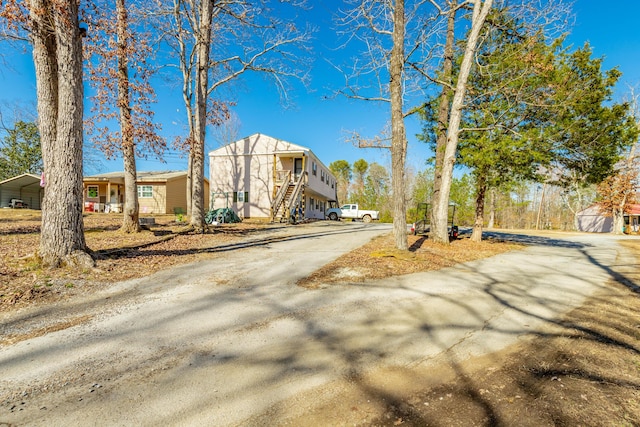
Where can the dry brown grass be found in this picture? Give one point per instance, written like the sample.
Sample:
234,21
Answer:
378,259
119,256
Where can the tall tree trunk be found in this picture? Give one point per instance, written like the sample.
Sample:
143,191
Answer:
443,107
202,86
481,189
398,136
130,223
187,97
618,221
189,184
57,56
441,207
492,208
539,214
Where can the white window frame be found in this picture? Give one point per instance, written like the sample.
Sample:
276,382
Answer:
145,191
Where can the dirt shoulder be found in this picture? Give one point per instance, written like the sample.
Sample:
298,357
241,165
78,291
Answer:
119,256
582,370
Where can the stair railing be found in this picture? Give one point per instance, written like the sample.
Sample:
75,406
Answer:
285,179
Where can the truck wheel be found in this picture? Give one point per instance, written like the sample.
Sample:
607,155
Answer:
366,218
333,216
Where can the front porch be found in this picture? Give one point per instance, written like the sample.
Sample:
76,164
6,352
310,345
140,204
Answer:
102,195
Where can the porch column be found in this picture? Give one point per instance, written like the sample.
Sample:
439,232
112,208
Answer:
108,203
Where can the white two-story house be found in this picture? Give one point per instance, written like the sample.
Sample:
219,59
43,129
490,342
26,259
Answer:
264,177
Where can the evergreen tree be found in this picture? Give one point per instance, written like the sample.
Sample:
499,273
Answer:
20,151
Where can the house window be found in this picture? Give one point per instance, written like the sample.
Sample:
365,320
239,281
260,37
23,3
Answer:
92,191
311,203
145,191
314,168
332,183
240,196
322,175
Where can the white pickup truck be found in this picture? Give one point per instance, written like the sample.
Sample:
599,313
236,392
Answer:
351,212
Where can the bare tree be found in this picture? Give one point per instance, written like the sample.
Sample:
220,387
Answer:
444,102
52,27
398,131
112,52
395,55
228,131
247,36
439,232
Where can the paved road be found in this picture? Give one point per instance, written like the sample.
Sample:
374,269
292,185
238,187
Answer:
221,342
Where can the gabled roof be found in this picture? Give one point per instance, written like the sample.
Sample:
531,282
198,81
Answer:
634,209
251,145
143,176
21,181
594,210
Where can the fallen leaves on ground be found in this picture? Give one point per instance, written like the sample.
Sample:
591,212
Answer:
119,256
379,259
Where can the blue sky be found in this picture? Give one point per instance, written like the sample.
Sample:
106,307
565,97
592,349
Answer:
320,123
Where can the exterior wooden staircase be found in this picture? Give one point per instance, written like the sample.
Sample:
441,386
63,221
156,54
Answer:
286,203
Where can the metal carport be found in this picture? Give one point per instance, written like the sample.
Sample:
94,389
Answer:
25,187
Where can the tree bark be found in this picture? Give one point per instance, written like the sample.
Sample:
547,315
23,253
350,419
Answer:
492,209
130,222
57,56
439,226
443,106
481,189
539,214
187,97
189,183
398,132
202,86
618,221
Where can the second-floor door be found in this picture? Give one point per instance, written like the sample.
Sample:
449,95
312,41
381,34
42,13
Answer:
297,168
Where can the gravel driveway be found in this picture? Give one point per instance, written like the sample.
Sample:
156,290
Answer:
234,341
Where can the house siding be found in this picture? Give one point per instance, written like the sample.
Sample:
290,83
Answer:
155,204
593,222
248,166
250,174
176,190
168,191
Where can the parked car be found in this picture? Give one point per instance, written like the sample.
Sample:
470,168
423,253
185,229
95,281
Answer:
351,211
